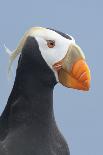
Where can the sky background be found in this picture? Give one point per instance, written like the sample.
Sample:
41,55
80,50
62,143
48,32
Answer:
79,115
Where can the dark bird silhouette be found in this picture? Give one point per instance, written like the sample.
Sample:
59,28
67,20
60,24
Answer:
27,124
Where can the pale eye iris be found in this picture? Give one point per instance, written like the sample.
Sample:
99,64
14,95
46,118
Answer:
50,43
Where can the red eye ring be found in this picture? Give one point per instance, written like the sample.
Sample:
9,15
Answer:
50,43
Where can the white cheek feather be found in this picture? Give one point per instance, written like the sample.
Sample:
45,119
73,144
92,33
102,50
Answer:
55,54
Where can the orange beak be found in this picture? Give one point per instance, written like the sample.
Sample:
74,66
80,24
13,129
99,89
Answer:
73,72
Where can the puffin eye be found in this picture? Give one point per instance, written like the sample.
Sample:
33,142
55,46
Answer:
50,43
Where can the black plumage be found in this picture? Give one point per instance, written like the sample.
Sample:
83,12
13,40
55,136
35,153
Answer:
27,124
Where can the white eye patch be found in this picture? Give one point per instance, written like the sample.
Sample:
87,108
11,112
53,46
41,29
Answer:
55,54
58,52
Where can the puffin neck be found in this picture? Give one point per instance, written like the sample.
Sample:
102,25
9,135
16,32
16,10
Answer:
33,104
31,99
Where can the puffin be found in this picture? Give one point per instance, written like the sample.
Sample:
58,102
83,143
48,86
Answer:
27,124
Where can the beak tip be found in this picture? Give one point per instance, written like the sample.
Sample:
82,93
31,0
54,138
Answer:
87,85
87,89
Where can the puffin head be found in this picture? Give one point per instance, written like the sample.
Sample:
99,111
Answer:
61,54
64,57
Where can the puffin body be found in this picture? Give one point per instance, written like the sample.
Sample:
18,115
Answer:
27,124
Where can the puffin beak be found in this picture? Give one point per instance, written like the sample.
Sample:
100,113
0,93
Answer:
73,72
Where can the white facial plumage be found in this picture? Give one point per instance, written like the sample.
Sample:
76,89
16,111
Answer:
58,52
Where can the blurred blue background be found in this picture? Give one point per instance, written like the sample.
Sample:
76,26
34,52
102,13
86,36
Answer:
79,115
